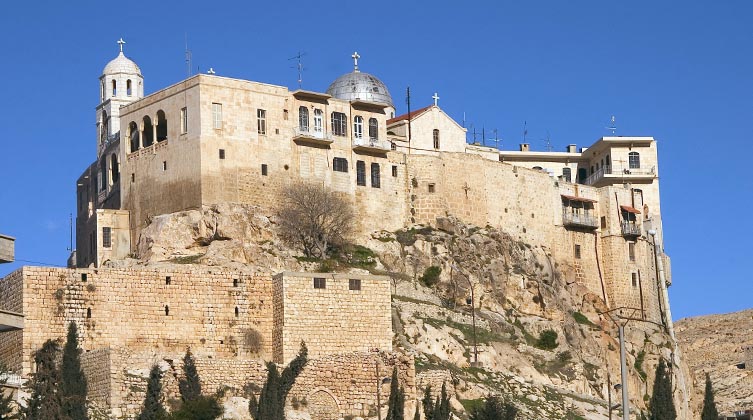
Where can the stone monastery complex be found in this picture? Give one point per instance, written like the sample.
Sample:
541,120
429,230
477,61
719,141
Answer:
211,139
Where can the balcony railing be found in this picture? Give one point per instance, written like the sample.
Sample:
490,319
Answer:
619,171
579,220
631,228
371,144
311,135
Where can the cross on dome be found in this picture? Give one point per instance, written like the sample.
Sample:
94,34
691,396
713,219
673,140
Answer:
355,60
121,43
436,98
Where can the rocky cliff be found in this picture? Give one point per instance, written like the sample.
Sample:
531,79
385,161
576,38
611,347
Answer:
541,342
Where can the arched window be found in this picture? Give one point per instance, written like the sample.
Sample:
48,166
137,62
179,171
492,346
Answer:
104,127
148,132
634,160
103,173
436,138
567,174
114,88
303,118
318,126
128,87
609,162
133,135
358,127
373,129
114,169
102,91
161,126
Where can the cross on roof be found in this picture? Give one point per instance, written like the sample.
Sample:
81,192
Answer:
355,60
121,42
436,98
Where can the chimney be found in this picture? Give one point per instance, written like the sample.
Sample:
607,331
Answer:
571,148
524,147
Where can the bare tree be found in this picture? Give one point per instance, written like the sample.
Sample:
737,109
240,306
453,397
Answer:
314,217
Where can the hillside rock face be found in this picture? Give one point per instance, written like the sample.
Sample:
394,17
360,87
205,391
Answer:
542,344
714,344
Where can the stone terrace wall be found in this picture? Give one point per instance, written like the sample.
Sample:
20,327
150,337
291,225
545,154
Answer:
96,367
155,310
11,290
333,319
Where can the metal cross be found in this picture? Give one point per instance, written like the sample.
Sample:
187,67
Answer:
436,98
121,42
355,60
211,71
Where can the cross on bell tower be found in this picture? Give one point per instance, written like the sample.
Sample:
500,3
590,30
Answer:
355,61
121,43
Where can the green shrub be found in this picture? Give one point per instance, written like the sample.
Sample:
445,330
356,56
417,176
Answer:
431,276
547,340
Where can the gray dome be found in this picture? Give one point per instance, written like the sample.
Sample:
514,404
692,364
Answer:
363,86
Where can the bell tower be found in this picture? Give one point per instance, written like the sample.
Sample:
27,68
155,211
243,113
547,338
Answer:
121,82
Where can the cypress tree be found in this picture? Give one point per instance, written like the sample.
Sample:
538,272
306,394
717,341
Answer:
44,402
153,409
442,407
396,402
709,406
253,406
271,405
662,403
494,409
190,386
73,387
417,416
428,404
6,400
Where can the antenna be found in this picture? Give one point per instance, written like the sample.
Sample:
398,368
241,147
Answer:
407,101
299,65
525,131
483,135
188,58
70,225
612,125
496,139
547,142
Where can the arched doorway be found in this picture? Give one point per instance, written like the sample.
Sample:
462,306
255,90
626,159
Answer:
322,405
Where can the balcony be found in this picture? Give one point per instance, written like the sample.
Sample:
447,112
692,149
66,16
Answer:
579,220
630,228
371,145
311,136
621,173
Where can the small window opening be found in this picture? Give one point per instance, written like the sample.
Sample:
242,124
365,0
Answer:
114,88
320,283
635,279
237,312
264,169
393,146
133,177
340,164
107,237
436,138
167,310
168,279
284,115
603,222
375,176
354,284
432,188
222,153
128,87
394,170
164,165
88,312
261,121
235,282
631,250
361,173
577,251
83,276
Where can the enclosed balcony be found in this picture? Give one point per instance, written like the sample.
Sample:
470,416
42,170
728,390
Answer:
619,173
630,228
629,224
578,213
371,145
312,136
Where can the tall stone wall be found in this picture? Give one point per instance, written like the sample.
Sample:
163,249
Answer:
331,319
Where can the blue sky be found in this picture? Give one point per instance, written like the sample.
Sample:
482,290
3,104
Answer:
678,71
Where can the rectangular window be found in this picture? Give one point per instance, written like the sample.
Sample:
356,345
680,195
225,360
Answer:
375,176
339,124
361,173
567,174
631,250
603,222
394,170
184,120
635,279
354,284
432,188
577,251
222,153
261,121
320,283
133,177
107,237
340,164
264,169
164,165
217,116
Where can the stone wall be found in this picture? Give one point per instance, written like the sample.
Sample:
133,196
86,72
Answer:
6,249
331,319
11,342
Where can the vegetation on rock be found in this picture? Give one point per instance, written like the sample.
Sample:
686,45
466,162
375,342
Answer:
547,340
494,408
431,276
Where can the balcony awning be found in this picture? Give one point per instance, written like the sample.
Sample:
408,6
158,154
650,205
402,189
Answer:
581,199
630,209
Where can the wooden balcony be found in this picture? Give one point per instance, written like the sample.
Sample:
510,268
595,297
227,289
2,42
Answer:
579,220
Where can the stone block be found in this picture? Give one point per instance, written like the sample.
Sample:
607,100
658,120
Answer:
7,246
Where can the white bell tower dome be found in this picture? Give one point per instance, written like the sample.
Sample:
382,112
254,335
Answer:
121,82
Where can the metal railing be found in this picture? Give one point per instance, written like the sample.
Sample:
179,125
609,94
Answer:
618,170
310,132
579,220
631,228
371,143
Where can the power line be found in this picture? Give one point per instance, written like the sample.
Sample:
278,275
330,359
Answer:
40,263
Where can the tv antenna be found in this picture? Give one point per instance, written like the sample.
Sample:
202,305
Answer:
188,58
299,66
612,125
525,131
496,138
547,142
70,226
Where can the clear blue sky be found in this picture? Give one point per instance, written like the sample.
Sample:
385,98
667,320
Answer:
681,72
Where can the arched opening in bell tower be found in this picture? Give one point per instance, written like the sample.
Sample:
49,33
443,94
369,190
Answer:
133,135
